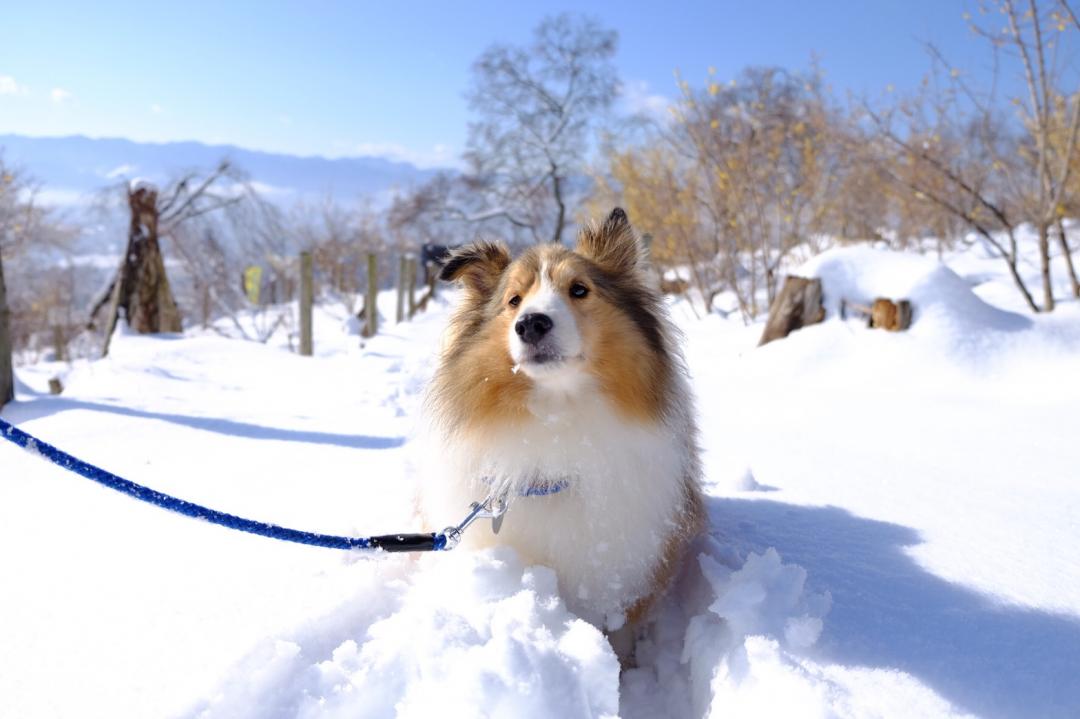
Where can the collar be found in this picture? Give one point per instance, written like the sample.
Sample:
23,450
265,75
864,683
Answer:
538,487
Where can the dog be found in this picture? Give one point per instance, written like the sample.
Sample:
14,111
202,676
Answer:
561,388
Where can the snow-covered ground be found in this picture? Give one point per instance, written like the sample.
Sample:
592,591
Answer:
895,530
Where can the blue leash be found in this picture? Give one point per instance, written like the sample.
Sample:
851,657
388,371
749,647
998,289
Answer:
426,542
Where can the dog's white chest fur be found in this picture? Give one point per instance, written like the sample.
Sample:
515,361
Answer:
604,531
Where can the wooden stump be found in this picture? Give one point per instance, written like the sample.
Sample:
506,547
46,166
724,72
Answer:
141,286
904,314
888,315
799,304
147,299
676,286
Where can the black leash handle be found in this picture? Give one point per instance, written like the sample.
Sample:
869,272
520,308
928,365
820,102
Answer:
427,542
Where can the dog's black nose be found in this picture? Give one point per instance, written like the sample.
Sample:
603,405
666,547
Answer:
532,327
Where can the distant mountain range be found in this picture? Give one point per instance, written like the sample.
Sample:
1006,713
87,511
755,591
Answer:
71,169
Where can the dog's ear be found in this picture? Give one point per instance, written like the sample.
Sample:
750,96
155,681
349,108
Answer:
613,244
477,266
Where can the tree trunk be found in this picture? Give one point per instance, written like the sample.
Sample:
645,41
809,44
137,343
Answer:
1010,261
145,295
560,221
753,284
1044,264
206,306
1064,242
7,376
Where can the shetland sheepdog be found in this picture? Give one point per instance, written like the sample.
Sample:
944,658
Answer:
561,386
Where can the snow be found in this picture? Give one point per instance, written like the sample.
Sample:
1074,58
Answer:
893,528
494,641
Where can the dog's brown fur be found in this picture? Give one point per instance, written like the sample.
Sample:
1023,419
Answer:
631,358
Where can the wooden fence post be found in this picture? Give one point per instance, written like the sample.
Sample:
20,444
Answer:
59,351
402,281
57,319
307,299
412,286
371,309
429,293
7,375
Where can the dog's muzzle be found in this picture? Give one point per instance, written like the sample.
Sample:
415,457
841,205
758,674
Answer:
532,328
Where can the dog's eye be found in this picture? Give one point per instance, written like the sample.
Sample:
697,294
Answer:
515,300
578,290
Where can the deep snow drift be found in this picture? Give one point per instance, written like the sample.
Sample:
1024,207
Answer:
893,530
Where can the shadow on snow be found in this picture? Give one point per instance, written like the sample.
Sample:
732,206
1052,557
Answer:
45,406
888,612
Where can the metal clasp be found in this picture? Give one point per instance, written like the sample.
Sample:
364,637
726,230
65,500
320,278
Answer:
493,508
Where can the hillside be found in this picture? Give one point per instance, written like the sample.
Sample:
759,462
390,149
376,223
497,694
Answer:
71,168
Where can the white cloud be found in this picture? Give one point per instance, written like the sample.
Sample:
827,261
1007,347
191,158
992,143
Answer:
121,171
59,95
8,86
439,155
636,99
269,190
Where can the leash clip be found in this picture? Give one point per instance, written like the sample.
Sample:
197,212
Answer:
493,508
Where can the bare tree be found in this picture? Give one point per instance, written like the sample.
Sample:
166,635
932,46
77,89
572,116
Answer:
660,192
1066,252
536,105
24,228
763,151
950,147
1071,199
745,172
424,213
1017,173
7,377
9,211
1049,112
340,237
216,249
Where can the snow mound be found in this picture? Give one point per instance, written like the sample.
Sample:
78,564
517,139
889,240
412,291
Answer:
464,634
479,634
943,302
949,319
725,632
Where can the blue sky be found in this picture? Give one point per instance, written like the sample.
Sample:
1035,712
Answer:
351,78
